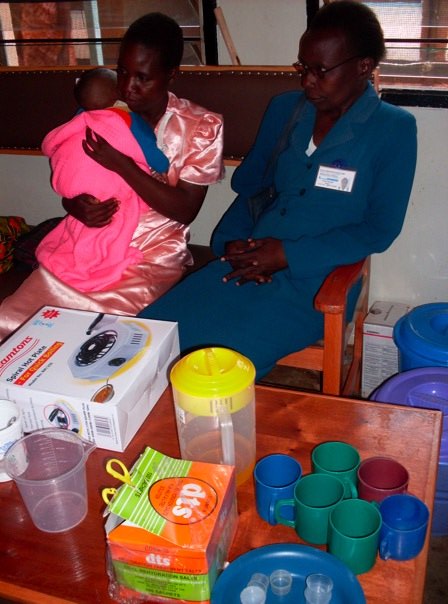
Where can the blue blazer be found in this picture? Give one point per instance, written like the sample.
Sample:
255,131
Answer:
324,228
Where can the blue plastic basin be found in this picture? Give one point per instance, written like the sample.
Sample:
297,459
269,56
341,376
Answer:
426,388
421,337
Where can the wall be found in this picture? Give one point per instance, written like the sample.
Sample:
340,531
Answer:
414,270
263,32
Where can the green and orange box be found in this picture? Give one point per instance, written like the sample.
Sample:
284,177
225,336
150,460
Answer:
169,532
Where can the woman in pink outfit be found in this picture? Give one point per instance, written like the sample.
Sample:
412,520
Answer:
192,139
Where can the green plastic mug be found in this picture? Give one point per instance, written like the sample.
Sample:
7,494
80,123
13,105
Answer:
339,459
315,496
353,534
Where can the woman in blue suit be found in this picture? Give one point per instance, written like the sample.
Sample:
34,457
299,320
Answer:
342,183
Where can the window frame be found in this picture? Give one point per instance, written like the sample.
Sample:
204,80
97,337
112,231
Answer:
390,88
203,35
393,88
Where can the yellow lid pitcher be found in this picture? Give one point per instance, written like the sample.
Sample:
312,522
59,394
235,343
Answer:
214,398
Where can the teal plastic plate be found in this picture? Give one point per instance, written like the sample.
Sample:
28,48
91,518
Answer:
300,561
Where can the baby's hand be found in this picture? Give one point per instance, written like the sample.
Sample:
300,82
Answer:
98,149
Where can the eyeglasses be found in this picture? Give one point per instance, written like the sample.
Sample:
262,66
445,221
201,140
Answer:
318,72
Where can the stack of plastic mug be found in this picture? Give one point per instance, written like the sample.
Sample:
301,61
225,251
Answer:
356,508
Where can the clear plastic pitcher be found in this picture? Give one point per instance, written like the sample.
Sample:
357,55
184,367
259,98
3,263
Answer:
48,467
214,397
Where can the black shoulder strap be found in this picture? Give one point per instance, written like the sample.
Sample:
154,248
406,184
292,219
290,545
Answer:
263,199
283,141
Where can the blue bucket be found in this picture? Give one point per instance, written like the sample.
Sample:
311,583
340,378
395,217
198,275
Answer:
421,337
426,388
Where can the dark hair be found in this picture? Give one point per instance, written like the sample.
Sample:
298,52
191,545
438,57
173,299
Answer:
359,24
88,81
161,33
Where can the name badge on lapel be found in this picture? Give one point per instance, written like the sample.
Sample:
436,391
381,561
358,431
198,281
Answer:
339,179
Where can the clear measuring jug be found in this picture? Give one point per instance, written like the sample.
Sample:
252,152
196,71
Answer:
48,467
214,398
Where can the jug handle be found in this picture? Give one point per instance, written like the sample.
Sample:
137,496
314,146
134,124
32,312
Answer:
227,439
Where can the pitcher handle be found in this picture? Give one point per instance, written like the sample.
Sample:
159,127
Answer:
227,438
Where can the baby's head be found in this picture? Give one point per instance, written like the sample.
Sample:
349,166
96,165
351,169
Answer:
96,89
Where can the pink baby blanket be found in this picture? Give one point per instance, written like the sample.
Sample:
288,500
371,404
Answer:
91,259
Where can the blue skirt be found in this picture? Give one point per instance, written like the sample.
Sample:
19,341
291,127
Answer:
263,322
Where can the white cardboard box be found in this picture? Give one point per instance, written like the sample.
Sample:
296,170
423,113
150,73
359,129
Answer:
96,374
380,355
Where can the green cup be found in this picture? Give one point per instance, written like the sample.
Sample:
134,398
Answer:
353,534
338,459
315,496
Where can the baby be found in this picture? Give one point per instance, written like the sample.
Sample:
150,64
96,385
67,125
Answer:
97,89
90,259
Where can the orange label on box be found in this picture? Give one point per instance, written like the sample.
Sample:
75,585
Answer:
183,500
31,370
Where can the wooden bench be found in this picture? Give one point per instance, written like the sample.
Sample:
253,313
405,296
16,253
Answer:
35,101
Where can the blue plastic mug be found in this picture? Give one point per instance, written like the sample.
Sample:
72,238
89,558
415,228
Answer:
405,523
275,477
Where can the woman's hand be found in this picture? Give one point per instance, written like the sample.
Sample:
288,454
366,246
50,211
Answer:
234,249
91,211
98,149
255,260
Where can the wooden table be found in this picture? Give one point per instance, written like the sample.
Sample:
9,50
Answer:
70,567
